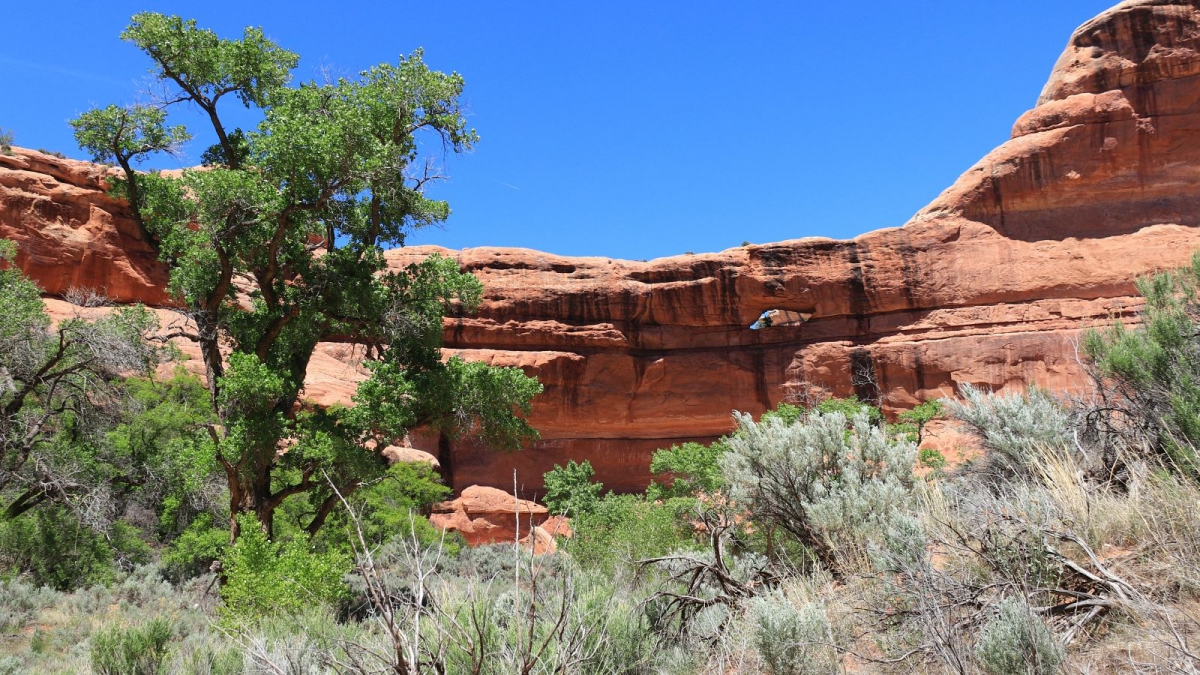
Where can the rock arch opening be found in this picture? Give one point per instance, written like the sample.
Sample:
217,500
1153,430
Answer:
780,317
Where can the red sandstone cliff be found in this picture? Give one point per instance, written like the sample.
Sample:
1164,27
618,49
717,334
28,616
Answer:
989,284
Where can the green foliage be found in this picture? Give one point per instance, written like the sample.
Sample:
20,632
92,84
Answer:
121,134
919,416
830,487
215,155
1015,641
54,549
625,528
6,141
305,203
263,578
59,393
790,414
194,550
570,489
687,470
388,507
164,437
851,408
932,459
133,650
693,469
1153,370
207,67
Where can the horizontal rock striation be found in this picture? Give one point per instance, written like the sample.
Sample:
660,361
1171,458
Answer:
990,284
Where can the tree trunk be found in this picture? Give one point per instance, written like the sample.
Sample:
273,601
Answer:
250,492
210,350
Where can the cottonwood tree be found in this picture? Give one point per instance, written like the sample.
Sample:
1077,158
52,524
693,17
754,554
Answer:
278,244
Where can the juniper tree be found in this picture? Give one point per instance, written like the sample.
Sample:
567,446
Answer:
58,395
278,244
1148,376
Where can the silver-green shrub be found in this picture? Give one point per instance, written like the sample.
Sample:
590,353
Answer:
20,601
1015,641
791,639
831,486
1013,427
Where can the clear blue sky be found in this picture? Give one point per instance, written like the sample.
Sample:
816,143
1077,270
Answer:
623,128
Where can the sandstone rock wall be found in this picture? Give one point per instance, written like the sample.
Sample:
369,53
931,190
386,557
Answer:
989,284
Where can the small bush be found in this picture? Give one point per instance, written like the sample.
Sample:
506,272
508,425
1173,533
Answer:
136,650
1016,641
792,640
390,506
851,407
790,414
50,546
6,141
931,459
264,578
570,490
194,551
1013,427
1149,376
919,416
624,528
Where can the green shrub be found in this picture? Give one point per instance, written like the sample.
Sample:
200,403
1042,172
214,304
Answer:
932,460
193,552
264,578
850,408
6,141
388,507
1150,374
134,650
570,490
918,417
50,546
163,435
687,470
790,414
625,528
1015,641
